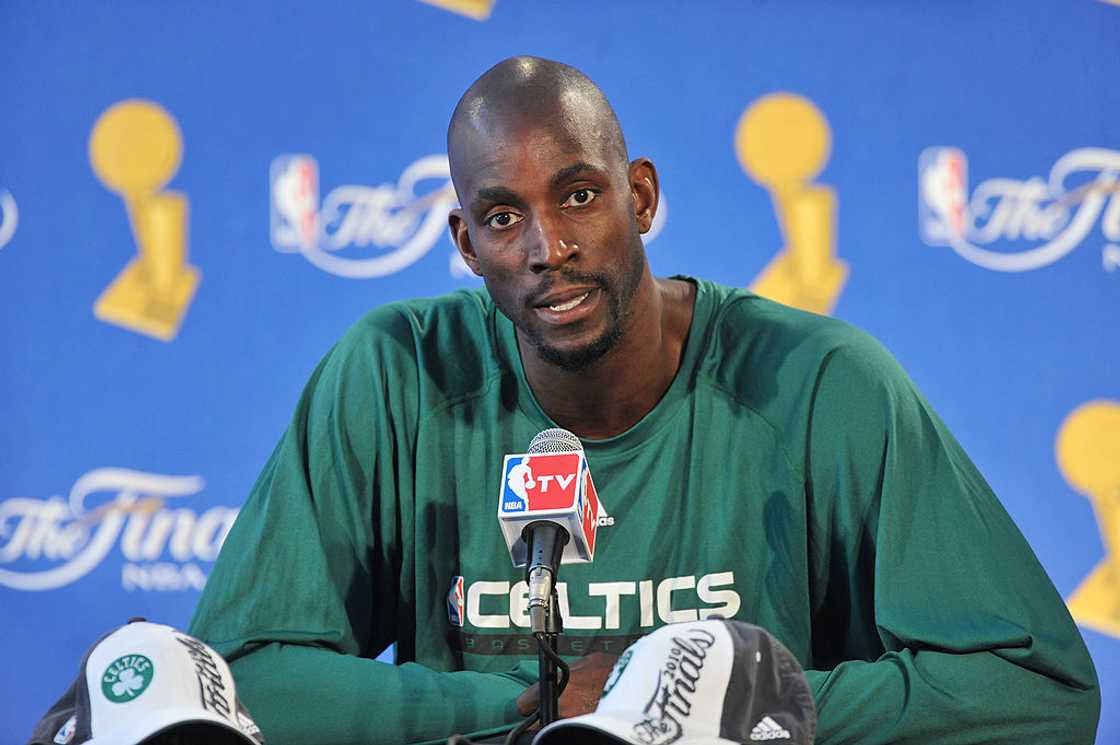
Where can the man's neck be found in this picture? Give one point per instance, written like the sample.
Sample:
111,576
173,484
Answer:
615,392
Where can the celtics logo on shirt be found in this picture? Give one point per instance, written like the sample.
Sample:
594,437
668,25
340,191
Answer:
126,678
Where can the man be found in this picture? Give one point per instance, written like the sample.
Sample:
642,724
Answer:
758,462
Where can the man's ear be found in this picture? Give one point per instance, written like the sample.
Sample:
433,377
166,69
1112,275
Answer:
462,239
646,192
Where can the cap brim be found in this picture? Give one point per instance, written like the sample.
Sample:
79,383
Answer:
612,729
164,720
192,733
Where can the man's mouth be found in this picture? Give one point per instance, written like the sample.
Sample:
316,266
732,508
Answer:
567,306
560,307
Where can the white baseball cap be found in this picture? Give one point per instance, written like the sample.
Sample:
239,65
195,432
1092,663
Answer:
143,680
711,682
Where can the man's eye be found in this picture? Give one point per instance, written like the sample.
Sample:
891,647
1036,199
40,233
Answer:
580,198
503,220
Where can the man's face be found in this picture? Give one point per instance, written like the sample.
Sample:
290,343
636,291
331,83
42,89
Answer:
548,220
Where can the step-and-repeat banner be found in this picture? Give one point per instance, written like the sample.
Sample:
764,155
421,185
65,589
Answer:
196,199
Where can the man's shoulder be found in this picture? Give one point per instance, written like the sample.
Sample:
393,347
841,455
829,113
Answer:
767,354
447,340
401,319
752,329
414,328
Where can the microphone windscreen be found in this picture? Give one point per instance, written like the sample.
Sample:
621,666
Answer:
555,440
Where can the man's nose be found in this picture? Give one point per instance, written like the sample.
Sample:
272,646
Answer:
550,250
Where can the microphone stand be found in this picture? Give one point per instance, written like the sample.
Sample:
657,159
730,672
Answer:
545,541
549,677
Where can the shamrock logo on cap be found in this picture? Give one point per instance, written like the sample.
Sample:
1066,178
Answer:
619,667
126,678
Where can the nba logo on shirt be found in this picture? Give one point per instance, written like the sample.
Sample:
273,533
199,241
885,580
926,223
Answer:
455,601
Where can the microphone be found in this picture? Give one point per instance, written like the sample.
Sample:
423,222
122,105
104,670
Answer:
548,510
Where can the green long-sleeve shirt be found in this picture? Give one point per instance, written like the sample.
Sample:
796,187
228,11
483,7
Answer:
791,477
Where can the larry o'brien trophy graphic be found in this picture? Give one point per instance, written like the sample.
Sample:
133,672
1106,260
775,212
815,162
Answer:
477,9
135,149
783,141
1088,451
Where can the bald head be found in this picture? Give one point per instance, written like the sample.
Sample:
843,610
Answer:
527,92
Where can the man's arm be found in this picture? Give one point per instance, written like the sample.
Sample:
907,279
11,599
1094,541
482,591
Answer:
312,581
934,621
302,694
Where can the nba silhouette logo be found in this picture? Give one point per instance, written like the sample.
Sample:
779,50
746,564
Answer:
943,195
294,182
517,481
455,601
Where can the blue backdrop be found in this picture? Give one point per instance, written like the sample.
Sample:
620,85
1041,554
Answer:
196,199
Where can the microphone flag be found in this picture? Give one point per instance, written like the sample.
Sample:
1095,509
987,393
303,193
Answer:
549,486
